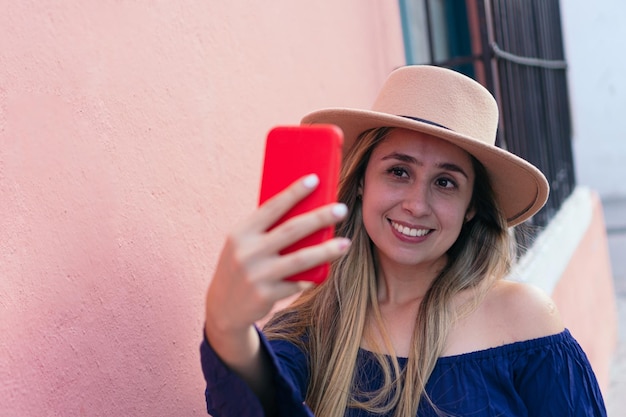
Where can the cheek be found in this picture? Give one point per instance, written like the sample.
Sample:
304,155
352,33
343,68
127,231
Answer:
369,195
370,209
453,215
377,199
374,205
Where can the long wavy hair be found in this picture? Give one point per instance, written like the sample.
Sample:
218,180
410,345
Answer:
328,321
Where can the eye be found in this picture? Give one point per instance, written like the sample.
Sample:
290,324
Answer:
399,172
446,183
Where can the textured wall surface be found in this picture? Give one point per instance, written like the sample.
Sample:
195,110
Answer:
594,38
131,138
585,296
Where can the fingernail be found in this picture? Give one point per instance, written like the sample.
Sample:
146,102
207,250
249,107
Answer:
310,181
340,210
305,285
344,243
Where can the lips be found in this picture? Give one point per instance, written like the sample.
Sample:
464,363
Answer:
409,231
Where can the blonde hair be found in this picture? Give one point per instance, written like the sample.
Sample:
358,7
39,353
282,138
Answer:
327,322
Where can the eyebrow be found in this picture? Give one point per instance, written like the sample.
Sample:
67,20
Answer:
402,157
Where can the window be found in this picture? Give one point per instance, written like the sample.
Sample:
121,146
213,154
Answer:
438,32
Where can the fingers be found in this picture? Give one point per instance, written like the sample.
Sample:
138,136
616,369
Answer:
301,226
274,208
282,266
251,268
307,258
284,289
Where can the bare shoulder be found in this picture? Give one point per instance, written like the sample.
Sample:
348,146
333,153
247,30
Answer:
525,310
510,312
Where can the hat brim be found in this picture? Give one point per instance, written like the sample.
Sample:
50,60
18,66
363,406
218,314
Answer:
520,188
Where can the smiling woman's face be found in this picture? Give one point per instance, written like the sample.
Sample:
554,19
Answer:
416,194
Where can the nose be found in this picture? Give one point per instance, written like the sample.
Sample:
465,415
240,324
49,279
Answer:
417,200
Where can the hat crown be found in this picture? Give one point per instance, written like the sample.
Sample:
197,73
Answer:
443,97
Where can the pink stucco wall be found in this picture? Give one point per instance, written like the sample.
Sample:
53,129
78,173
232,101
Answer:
585,296
131,138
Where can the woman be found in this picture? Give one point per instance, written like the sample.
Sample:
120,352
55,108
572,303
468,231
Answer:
415,318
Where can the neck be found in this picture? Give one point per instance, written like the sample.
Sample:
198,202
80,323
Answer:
401,285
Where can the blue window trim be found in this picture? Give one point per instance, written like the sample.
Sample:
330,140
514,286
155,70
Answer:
406,34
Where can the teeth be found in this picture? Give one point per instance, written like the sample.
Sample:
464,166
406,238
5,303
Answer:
408,231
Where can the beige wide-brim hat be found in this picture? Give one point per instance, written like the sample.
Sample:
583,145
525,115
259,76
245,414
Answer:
448,105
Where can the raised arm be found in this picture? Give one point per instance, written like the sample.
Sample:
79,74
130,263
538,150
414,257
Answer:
249,280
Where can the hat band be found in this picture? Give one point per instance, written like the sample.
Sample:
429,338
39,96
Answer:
417,119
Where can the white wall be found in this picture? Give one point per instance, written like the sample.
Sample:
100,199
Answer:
594,35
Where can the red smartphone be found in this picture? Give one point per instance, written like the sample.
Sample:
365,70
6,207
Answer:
292,152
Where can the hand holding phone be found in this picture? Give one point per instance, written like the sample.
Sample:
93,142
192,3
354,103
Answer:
295,151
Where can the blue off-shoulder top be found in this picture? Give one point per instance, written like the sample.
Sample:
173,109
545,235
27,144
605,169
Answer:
546,377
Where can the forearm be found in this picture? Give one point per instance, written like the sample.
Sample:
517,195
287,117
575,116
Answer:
242,352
